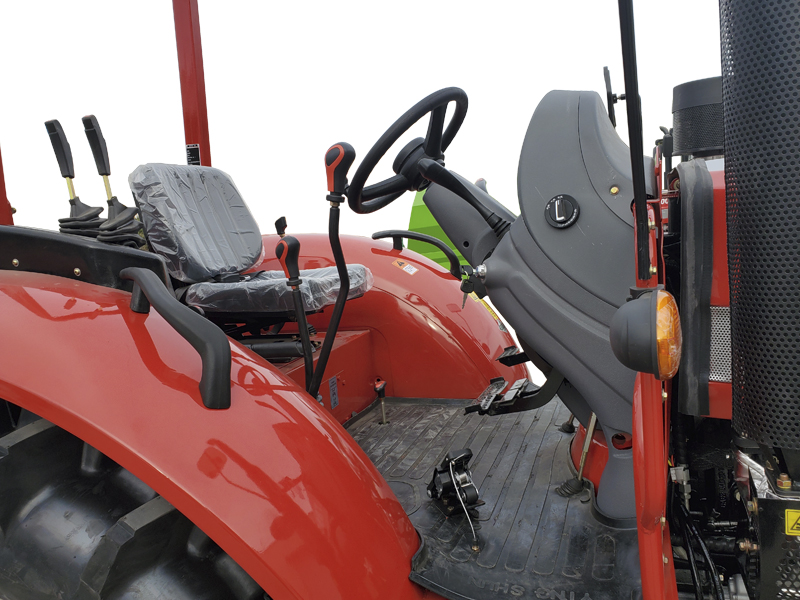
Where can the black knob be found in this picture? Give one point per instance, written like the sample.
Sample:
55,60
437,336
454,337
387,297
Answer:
98,144
61,148
338,160
288,253
280,226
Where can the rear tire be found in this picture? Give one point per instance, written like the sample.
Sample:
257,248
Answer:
75,525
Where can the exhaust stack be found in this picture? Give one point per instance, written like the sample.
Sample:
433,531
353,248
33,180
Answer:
761,99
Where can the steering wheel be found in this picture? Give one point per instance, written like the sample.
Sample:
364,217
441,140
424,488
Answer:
366,200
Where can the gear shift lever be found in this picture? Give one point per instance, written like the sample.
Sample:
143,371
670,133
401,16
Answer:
288,253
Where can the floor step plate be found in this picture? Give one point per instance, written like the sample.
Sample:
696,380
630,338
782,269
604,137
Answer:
533,542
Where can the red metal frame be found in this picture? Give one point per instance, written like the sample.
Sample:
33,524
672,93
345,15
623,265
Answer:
193,85
650,446
6,214
650,481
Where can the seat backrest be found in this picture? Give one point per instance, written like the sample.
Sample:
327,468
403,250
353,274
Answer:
196,219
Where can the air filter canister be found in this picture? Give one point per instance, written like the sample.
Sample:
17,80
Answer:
697,118
761,97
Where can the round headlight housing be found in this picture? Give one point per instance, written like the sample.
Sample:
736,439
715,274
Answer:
646,334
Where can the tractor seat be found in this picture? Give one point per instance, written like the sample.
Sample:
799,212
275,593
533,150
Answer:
196,219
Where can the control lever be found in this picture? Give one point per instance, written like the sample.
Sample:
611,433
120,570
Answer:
121,226
380,389
521,396
437,173
338,160
280,226
288,253
78,212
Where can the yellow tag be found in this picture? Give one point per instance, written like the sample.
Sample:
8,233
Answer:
792,522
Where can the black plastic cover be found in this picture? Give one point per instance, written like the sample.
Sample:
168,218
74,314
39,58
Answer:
196,219
51,253
697,235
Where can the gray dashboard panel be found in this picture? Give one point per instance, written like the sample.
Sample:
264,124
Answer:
569,149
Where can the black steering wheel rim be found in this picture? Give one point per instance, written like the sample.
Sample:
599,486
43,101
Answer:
374,197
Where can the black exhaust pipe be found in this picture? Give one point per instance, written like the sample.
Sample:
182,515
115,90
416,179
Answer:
761,99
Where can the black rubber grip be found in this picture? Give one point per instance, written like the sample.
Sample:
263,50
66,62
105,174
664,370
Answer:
98,144
205,337
61,148
397,235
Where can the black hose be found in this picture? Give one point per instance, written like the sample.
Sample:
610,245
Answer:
687,542
712,568
338,308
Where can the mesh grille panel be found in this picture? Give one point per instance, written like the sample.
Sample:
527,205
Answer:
720,344
698,130
761,96
787,571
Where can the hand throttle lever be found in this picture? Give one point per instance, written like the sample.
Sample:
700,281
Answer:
338,160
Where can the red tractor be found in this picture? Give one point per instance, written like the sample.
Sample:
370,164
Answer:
191,409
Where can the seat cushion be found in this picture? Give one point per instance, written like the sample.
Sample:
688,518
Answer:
267,292
196,219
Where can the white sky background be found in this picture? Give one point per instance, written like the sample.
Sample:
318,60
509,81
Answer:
285,80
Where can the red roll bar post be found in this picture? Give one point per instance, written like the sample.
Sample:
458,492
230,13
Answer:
193,85
6,213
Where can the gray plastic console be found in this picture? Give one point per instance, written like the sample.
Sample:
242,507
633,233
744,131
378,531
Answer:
559,287
462,223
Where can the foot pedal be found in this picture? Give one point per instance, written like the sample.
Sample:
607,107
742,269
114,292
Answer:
493,402
482,403
512,356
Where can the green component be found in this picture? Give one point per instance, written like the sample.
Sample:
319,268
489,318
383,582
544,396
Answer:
422,221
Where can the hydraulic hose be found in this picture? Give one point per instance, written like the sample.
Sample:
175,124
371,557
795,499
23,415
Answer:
712,568
338,308
687,542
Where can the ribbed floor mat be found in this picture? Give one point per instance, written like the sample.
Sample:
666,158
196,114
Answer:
533,543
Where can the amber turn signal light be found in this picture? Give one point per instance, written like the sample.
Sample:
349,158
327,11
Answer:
646,334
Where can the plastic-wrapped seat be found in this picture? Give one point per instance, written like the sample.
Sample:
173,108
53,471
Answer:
196,219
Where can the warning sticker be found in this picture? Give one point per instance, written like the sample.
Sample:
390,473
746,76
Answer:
407,267
792,522
499,321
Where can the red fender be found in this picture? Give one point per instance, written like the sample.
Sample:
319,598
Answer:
274,480
425,345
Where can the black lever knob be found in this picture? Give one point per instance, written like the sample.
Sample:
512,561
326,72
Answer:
288,253
98,144
280,226
61,148
338,160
